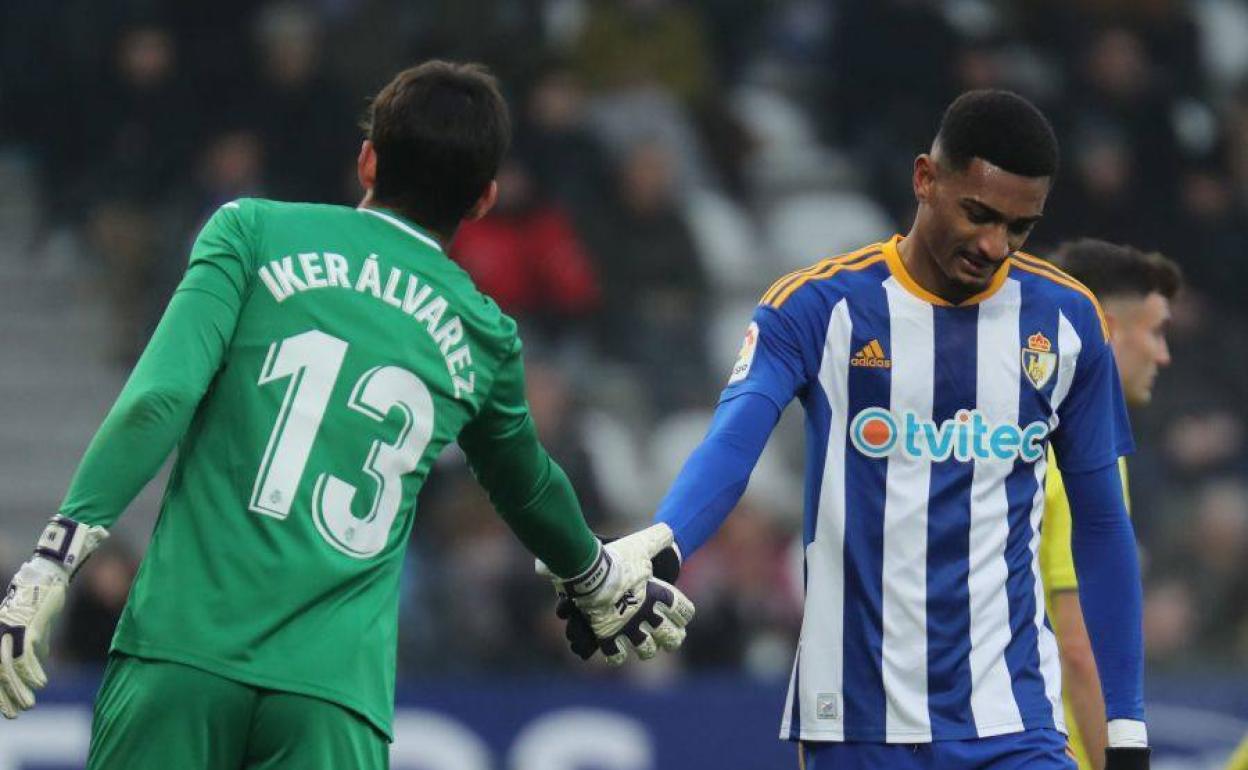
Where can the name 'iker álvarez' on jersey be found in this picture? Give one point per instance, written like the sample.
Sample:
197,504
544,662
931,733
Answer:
928,426
309,271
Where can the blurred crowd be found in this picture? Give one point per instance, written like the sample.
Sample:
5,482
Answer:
671,159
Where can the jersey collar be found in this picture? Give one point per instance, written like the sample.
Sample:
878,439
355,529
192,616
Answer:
892,258
403,223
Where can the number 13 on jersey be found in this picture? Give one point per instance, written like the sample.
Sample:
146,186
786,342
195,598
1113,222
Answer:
312,362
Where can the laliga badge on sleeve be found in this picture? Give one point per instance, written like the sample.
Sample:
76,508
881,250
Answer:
741,369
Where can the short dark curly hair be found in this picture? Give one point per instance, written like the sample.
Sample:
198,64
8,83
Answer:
1113,270
440,130
1001,128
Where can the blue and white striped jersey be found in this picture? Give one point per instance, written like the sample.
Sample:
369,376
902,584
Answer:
927,426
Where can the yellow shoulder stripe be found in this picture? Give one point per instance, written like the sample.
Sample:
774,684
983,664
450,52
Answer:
770,294
1044,263
867,260
1048,270
796,274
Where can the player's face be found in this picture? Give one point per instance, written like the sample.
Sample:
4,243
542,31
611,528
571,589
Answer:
1138,335
970,221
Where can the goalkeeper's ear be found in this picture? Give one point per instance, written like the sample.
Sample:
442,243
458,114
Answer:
366,166
484,203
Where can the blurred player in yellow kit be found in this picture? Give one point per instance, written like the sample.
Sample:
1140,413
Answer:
1134,289
1239,760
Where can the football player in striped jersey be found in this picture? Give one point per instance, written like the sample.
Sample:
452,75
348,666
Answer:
935,369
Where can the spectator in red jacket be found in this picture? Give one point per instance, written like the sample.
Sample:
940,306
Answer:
528,257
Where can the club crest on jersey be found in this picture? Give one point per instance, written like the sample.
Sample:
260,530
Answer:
745,358
1039,360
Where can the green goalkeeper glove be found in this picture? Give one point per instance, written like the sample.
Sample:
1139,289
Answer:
34,599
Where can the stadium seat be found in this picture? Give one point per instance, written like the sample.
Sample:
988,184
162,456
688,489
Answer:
805,228
1223,26
727,239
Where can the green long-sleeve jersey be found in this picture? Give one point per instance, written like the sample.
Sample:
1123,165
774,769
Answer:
312,364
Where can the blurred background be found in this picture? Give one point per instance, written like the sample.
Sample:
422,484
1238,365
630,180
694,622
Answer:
671,159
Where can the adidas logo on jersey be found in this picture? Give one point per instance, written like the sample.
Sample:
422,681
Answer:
872,355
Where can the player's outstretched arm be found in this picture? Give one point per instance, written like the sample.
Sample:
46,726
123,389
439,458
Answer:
33,601
528,489
718,471
705,492
612,585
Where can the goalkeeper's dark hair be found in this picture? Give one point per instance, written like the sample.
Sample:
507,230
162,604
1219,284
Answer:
440,130
999,127
1111,270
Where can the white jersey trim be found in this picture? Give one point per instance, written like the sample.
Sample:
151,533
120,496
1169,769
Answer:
904,650
404,227
1069,345
1046,642
993,704
823,624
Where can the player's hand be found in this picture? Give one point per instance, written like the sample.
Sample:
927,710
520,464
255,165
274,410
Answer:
665,566
34,599
1126,758
626,607
657,624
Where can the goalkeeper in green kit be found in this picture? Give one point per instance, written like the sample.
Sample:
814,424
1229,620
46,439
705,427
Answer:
312,364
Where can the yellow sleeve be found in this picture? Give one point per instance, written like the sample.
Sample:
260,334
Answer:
1239,760
1057,566
1057,570
1126,487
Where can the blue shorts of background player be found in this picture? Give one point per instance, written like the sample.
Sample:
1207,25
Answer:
1028,750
